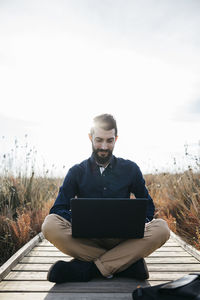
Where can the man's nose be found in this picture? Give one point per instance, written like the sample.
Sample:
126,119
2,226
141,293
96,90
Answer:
104,146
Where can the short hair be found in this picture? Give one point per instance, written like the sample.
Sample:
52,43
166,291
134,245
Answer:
104,121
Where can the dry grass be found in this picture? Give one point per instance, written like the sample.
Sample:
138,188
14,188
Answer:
177,200
25,199
24,203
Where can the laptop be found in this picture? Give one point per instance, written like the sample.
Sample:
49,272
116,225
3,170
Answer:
108,217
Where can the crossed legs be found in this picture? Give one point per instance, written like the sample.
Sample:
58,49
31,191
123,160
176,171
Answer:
110,255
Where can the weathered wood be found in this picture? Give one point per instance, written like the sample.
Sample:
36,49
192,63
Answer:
46,253
101,286
166,260
173,248
194,252
151,266
170,243
171,260
58,254
5,268
173,267
61,255
46,248
166,275
45,243
169,254
53,249
65,296
43,260
32,267
28,278
33,275
26,275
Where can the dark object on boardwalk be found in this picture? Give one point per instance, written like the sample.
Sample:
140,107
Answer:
83,271
185,288
137,270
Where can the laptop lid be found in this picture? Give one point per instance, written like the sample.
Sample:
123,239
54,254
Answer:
108,217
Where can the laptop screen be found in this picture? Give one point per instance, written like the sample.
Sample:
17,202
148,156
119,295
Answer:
108,217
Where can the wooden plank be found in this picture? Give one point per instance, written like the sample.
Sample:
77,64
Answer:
43,275
47,248
45,243
122,285
151,266
169,254
5,268
36,275
54,249
47,253
166,275
173,267
34,253
170,249
158,260
66,296
194,252
32,267
43,260
171,260
170,243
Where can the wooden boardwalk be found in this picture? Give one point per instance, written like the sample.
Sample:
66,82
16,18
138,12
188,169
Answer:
27,278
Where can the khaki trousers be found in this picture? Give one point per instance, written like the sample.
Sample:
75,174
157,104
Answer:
109,255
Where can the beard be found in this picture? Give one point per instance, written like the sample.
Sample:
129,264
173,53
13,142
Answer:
101,159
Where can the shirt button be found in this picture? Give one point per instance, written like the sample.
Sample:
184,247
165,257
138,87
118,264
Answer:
105,188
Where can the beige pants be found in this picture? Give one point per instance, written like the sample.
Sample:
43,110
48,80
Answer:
109,255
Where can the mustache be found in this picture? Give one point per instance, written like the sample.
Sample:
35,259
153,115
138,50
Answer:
102,150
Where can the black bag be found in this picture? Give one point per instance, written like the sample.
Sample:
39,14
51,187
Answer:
185,288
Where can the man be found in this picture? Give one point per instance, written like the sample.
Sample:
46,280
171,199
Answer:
102,175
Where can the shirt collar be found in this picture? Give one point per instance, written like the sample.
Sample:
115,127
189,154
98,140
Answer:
95,165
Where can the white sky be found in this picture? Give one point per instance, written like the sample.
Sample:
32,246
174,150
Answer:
64,62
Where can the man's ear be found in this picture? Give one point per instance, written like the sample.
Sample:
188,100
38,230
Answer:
116,138
90,136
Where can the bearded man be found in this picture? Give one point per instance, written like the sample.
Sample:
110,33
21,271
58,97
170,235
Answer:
102,176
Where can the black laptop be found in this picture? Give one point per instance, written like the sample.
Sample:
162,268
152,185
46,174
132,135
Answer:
108,217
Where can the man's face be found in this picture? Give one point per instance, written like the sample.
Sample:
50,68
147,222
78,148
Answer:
103,142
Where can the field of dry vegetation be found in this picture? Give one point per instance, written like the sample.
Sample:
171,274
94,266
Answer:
177,200
25,200
24,203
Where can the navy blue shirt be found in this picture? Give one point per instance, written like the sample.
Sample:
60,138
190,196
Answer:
120,178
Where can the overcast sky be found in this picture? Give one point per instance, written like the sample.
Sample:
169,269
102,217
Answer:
64,62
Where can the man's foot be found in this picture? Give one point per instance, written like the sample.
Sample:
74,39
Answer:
74,270
138,270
